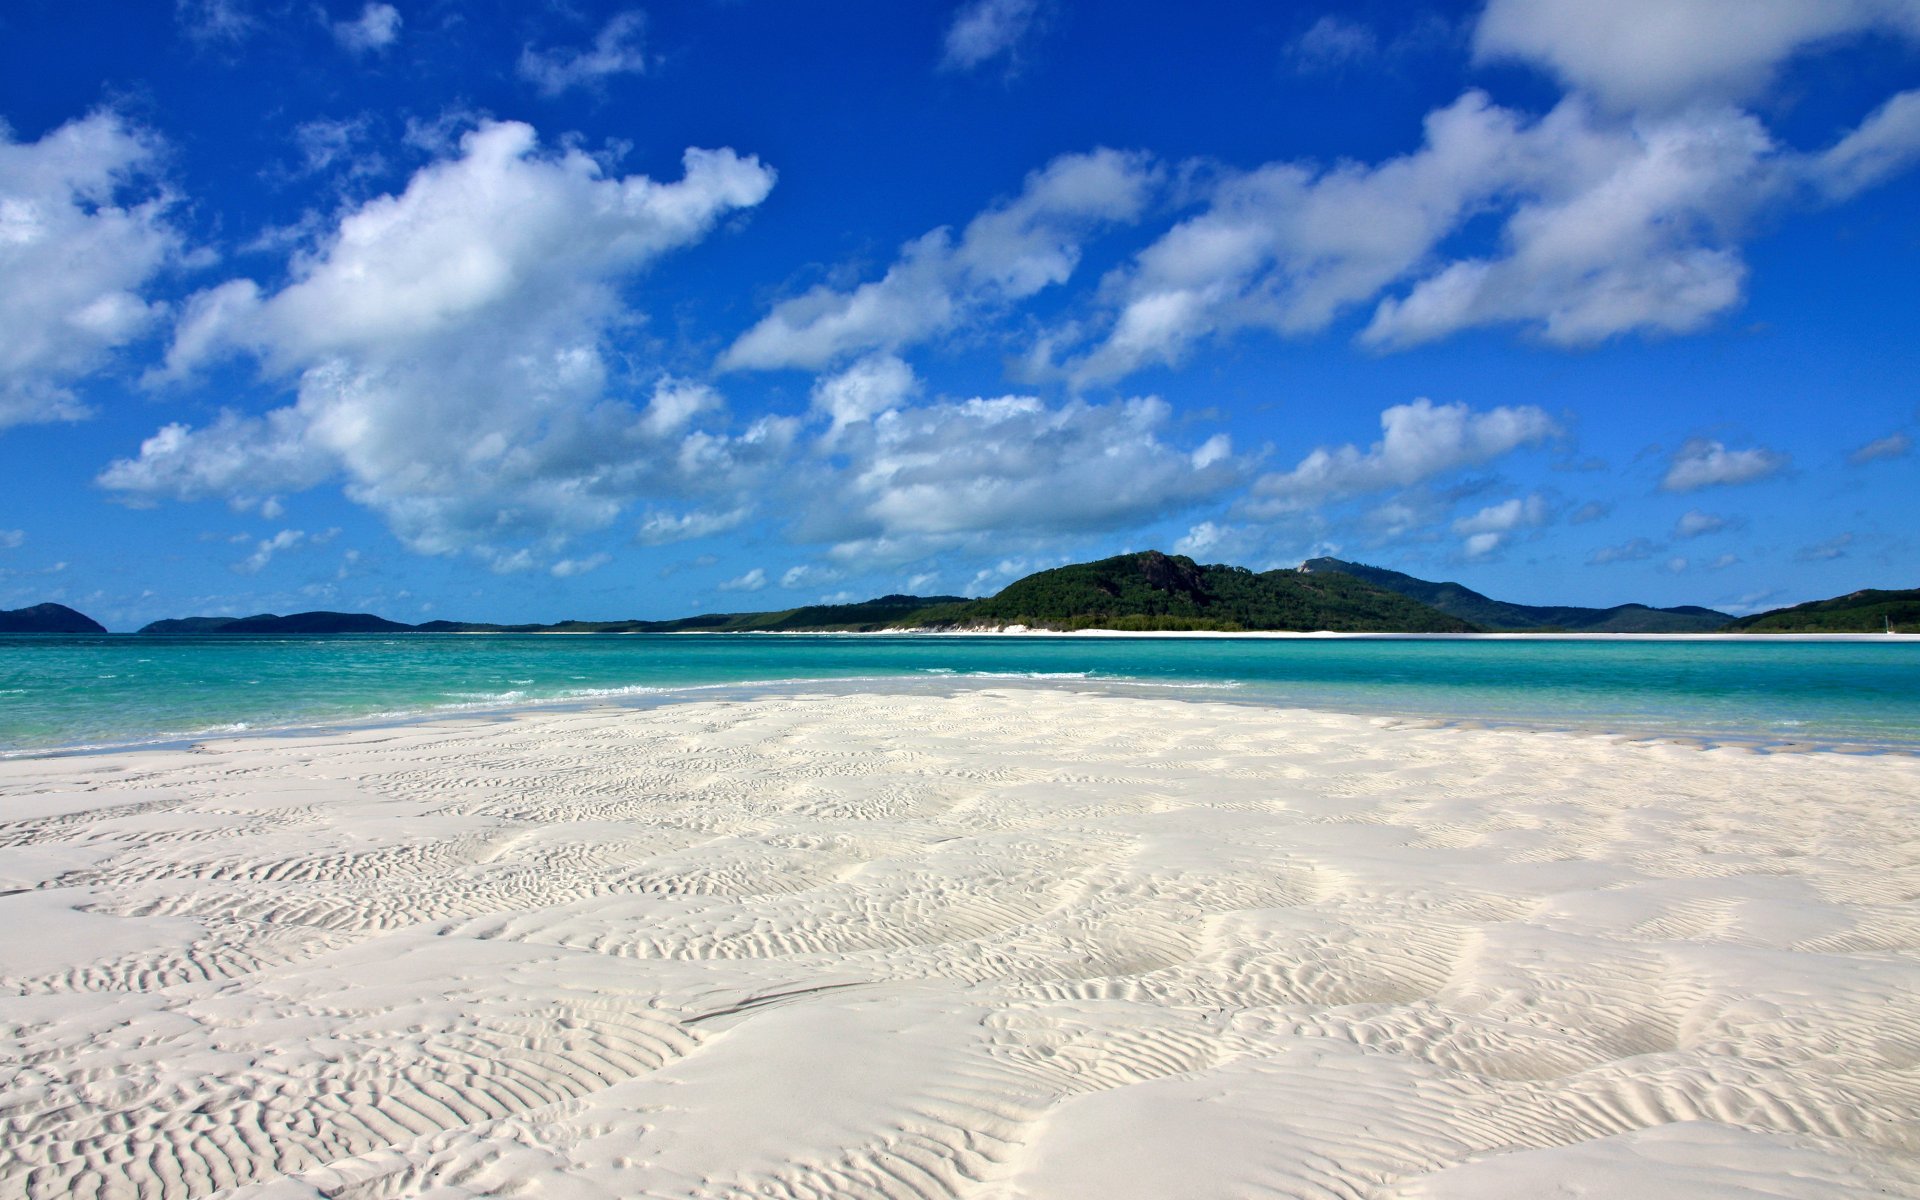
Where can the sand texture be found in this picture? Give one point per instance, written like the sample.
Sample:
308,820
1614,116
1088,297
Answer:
1008,943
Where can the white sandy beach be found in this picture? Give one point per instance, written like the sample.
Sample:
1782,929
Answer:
1010,943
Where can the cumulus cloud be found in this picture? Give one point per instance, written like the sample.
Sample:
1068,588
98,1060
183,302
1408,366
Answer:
1693,523
917,478
662,528
1637,550
567,568
983,30
1487,530
1605,225
863,391
446,350
1419,441
807,575
1894,445
84,230
1206,538
266,548
752,581
1010,252
376,28
1701,462
616,50
1636,54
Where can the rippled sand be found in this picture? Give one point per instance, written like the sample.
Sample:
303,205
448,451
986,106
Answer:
1009,943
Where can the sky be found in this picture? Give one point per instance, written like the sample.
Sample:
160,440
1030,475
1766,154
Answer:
527,312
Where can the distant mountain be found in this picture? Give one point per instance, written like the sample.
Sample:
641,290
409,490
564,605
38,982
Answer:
1499,615
47,618
1856,612
298,623
868,615
1160,592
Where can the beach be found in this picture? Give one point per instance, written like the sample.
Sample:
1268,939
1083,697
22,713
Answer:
1011,942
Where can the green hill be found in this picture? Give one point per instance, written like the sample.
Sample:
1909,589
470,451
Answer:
1469,605
1158,592
1867,611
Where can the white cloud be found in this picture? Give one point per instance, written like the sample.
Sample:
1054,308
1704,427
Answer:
376,28
752,581
1205,538
1694,523
445,346
1604,226
1894,445
983,30
1666,53
208,21
12,539
567,568
876,384
1724,561
1885,144
1487,530
1701,462
266,548
1592,510
1009,252
1331,43
1676,564
919,478
807,576
84,228
325,144
660,528
1506,516
1419,441
1636,550
617,50
1621,230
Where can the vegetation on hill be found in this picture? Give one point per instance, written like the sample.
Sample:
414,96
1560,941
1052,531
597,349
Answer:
1869,611
47,618
1500,615
868,615
1158,592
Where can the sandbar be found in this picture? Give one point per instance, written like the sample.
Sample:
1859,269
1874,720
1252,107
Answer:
1008,942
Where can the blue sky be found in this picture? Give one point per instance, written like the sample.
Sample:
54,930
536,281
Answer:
526,312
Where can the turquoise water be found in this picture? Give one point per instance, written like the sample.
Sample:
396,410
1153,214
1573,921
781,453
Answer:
66,692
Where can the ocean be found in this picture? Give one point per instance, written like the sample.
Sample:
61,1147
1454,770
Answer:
83,692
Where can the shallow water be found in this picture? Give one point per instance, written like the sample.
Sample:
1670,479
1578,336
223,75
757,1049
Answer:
76,691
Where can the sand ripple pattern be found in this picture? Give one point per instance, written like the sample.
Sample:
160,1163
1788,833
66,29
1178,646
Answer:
1010,944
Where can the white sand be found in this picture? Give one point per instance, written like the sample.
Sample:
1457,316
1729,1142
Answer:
1014,943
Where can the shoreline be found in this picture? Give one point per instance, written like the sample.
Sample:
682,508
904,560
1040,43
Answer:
647,697
840,944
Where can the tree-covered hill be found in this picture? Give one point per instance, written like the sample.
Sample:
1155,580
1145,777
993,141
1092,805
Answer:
1159,592
1500,615
1869,611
